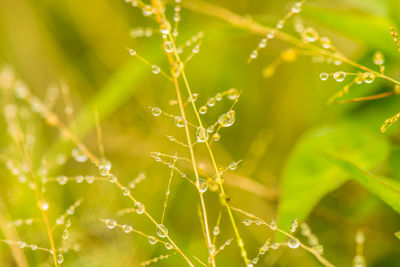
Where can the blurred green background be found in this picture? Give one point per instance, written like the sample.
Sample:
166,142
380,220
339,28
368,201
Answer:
84,43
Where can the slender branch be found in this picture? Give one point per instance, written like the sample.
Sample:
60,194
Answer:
252,26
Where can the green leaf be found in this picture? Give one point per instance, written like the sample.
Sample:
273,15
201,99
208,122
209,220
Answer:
309,175
388,190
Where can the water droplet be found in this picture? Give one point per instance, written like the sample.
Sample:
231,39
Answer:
89,179
43,180
296,8
337,62
233,94
274,246
246,222
202,135
177,18
132,52
127,228
62,180
262,43
34,247
22,179
218,97
196,49
155,69
112,178
21,244
293,243
168,245
152,240
168,47
21,91
60,258
165,27
305,229
368,77
110,223
233,166
156,111
310,35
162,230
270,35
147,10
203,110
177,68
179,121
280,24
359,261
273,225
104,168
202,185
193,97
79,179
325,42
216,230
227,119
378,58
216,136
339,76
43,204
139,207
65,234
78,155
255,260
211,102
211,250
324,76
254,54
360,237
264,247
318,249
313,240
68,221
125,191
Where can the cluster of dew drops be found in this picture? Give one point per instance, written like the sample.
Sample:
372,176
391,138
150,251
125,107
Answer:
139,208
161,231
367,77
225,120
292,242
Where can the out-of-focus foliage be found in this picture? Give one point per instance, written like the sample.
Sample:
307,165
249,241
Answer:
310,172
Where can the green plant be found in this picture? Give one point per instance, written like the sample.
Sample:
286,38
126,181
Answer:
322,161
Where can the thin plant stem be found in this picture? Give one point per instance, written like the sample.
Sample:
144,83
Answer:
221,188
309,249
161,18
252,26
53,120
